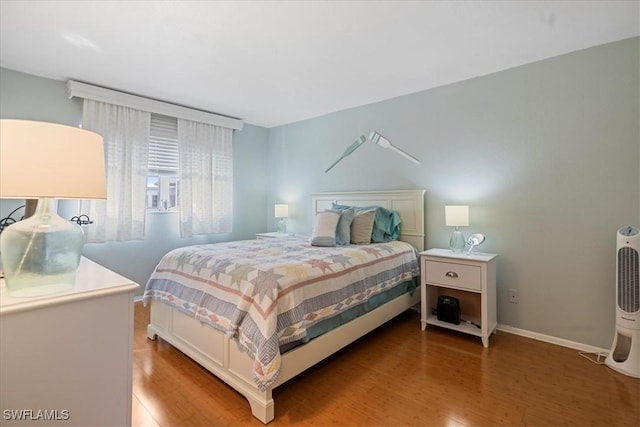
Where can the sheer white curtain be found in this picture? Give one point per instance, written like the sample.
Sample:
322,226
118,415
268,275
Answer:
125,132
206,178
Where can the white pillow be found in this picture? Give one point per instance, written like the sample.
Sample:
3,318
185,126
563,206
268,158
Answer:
324,229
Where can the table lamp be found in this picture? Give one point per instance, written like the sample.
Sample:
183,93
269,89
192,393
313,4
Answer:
46,161
456,216
282,212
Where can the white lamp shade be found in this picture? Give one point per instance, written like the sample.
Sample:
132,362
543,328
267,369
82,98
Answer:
281,211
47,160
456,216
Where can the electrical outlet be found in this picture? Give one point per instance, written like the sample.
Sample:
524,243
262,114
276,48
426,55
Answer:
514,298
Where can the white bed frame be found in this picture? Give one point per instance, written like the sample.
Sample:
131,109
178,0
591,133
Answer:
222,356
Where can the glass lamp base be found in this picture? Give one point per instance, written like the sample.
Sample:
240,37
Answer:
282,226
457,242
41,254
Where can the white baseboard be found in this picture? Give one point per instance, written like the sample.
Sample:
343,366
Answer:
552,340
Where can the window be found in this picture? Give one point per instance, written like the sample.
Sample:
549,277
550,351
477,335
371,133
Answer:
199,180
163,183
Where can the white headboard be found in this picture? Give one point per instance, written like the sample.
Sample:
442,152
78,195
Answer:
408,203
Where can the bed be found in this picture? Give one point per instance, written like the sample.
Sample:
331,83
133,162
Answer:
264,319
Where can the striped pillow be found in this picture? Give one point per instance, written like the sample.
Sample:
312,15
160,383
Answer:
361,227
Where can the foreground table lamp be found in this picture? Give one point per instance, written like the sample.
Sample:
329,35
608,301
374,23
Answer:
46,161
282,212
456,216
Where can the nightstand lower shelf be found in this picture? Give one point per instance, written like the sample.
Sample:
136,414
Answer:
464,327
467,328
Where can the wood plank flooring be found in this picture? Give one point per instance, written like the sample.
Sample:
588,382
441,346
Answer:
396,376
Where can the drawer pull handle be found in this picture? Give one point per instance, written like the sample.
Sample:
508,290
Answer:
451,274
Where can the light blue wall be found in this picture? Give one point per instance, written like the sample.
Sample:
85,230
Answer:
546,155
29,97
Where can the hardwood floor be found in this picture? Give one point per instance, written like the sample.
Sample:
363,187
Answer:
397,376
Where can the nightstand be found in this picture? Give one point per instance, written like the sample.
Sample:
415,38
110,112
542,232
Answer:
469,278
272,235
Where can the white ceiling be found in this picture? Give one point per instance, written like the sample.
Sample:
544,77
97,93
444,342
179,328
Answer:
277,62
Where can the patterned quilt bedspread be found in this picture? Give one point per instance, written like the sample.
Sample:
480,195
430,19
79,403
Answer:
265,293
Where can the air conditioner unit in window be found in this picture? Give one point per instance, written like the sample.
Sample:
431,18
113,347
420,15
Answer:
625,352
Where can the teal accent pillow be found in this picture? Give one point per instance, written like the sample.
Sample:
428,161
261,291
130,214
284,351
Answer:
386,224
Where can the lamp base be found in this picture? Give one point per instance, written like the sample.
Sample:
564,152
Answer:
41,254
457,242
282,226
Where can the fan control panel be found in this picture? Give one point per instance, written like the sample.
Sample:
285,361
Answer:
628,231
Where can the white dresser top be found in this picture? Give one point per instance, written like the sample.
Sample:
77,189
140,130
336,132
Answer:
92,280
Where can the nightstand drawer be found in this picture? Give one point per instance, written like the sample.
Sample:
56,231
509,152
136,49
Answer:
451,274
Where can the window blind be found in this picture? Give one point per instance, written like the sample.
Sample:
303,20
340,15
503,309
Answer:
163,145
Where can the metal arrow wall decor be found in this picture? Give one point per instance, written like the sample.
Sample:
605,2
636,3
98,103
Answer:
384,143
350,149
378,139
